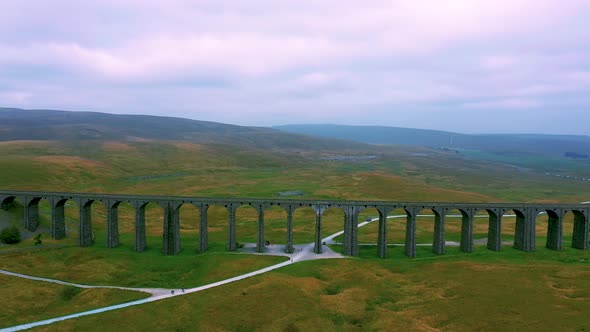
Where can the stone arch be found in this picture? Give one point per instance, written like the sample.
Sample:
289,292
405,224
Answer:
553,238
22,211
65,217
581,230
453,221
410,243
275,226
148,224
247,227
219,225
189,224
86,235
393,231
429,229
518,229
37,215
303,224
14,205
112,222
492,238
121,223
368,221
465,227
7,201
333,221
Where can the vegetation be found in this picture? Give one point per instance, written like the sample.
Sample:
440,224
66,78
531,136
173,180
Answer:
509,290
27,301
503,145
10,235
485,290
123,267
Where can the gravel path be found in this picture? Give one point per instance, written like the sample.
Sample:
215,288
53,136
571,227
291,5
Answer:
302,253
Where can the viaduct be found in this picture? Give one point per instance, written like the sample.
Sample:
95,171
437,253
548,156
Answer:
526,215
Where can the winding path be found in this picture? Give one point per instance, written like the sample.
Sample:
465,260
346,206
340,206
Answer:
302,253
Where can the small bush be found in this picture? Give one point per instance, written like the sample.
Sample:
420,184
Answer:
69,292
10,235
38,240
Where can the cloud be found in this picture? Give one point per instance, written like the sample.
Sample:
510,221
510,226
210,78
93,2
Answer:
504,104
14,97
318,59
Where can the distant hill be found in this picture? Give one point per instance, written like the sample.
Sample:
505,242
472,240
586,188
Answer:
19,124
502,144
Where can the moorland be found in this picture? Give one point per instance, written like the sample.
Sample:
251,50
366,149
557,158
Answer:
93,152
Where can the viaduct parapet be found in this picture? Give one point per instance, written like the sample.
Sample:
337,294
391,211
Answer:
524,237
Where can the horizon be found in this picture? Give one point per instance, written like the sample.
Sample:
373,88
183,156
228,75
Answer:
446,66
305,124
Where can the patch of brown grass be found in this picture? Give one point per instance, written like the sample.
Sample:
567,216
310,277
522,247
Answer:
188,146
28,300
116,147
71,162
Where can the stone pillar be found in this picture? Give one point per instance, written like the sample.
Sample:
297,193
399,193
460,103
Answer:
140,236
554,230
203,229
350,244
85,237
581,229
411,233
531,231
467,230
438,244
171,237
524,239
319,210
260,238
495,230
112,223
347,229
289,249
231,245
58,223
31,214
382,237
354,231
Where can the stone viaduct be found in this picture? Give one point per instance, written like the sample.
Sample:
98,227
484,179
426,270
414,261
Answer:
526,215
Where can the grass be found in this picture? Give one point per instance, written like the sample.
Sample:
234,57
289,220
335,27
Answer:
27,301
123,267
509,290
224,170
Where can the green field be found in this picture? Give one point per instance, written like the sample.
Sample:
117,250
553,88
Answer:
543,291
26,301
507,290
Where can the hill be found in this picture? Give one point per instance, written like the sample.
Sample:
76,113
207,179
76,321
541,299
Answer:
18,124
500,144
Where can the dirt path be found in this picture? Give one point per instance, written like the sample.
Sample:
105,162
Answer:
302,253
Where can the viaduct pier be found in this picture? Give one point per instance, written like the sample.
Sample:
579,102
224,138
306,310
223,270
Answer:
524,237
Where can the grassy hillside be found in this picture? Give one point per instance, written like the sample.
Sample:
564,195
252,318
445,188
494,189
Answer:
184,168
19,124
550,150
453,292
490,291
215,170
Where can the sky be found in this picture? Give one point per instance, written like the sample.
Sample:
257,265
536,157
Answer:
500,66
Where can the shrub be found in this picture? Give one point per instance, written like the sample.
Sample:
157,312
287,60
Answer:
69,292
38,240
10,235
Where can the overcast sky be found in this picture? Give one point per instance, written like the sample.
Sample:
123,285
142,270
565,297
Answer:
461,65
